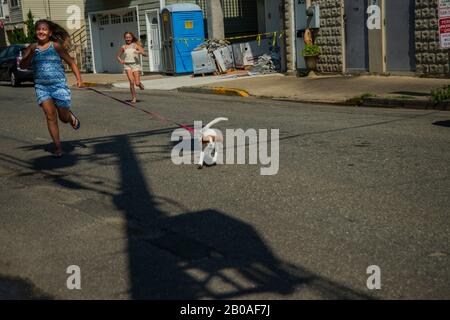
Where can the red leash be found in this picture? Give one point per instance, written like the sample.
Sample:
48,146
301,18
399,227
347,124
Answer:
152,114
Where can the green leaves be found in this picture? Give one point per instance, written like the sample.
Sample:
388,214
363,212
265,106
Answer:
31,36
440,95
18,36
311,50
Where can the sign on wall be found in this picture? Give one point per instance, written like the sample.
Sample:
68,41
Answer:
444,23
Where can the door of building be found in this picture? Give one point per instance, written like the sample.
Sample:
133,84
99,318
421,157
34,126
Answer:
356,36
111,30
400,46
167,42
154,42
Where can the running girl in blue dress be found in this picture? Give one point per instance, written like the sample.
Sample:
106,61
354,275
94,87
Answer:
52,91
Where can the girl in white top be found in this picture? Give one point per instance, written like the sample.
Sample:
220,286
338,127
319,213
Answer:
131,62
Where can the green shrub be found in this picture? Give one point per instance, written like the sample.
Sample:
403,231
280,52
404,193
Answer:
440,95
31,34
18,36
311,50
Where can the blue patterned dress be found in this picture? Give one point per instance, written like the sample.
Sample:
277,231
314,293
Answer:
50,78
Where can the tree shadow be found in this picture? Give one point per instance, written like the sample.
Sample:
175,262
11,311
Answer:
445,123
12,288
194,255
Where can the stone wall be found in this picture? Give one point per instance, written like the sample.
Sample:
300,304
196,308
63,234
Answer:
329,37
430,59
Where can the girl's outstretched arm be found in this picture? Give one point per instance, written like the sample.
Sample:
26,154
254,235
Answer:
69,60
119,55
140,50
28,56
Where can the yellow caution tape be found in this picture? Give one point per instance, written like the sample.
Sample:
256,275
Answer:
257,36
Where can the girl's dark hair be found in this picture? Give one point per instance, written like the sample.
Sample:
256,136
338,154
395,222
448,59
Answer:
135,40
59,34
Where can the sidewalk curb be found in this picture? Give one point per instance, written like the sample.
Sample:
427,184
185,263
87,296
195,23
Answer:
369,102
375,103
215,90
90,84
95,84
317,102
404,103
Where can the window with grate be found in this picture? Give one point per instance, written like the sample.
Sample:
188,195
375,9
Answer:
202,4
104,20
115,19
232,8
128,17
14,3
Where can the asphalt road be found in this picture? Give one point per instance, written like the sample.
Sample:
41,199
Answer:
356,187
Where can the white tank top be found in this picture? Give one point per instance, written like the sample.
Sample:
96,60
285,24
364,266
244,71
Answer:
130,54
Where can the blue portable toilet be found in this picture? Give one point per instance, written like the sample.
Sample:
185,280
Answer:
182,31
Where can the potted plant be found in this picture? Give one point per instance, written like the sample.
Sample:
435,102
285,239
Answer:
311,54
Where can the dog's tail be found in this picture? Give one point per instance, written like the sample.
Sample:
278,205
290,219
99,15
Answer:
217,120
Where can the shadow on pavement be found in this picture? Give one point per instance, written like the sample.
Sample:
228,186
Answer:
12,288
22,85
412,93
194,255
445,123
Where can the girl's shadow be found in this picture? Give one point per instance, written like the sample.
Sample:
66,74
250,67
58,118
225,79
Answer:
50,162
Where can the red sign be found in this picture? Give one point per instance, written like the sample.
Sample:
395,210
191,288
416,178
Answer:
444,25
1,24
444,33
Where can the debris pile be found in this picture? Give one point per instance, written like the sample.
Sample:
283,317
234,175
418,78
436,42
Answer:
220,57
213,56
212,45
266,64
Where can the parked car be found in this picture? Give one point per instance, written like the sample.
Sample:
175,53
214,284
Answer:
10,70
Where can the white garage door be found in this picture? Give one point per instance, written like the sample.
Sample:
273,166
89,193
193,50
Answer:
112,26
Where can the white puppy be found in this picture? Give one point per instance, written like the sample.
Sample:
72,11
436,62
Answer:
208,137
